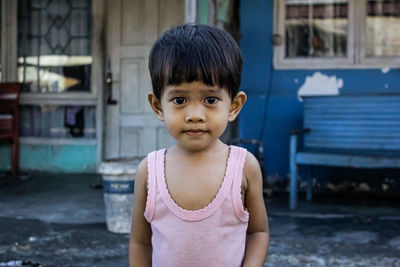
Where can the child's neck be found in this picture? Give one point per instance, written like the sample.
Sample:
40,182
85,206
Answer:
178,150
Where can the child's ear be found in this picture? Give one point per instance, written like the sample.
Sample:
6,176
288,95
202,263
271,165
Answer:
156,106
236,106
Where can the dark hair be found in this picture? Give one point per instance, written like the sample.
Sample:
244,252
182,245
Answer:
193,52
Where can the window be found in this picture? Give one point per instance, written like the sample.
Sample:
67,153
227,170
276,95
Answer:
54,46
336,34
382,30
54,66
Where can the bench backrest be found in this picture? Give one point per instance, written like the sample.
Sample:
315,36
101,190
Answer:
353,122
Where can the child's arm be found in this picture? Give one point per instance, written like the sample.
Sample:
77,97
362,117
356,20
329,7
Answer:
140,248
257,232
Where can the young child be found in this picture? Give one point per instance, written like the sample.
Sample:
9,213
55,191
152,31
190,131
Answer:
199,202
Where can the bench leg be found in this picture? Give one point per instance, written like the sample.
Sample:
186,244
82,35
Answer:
293,173
15,156
309,188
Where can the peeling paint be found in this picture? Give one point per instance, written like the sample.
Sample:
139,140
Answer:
320,84
385,70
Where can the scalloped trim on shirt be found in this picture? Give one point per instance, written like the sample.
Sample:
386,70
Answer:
200,214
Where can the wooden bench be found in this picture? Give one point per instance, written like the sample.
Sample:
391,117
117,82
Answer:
346,131
9,119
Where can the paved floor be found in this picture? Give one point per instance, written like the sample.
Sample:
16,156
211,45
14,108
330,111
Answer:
58,220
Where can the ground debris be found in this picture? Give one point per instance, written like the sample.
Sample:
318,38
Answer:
317,261
18,263
18,246
32,239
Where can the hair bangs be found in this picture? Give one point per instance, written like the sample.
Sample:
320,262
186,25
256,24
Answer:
189,64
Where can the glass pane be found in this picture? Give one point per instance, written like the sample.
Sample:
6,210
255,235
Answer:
383,28
54,121
316,28
54,45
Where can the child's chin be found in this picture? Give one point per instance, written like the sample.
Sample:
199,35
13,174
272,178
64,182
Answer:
197,145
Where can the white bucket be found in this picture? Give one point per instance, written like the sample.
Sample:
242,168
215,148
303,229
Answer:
118,187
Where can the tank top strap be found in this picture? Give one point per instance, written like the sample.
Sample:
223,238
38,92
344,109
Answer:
240,158
151,185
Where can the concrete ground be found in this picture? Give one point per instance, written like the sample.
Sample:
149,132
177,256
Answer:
58,220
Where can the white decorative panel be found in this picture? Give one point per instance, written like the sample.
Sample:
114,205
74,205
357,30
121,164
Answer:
130,141
130,86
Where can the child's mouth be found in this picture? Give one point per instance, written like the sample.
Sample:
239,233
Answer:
195,132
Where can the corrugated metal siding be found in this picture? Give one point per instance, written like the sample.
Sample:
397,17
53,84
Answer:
353,122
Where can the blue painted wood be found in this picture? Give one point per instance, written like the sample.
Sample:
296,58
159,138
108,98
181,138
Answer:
346,160
353,122
293,173
349,124
309,188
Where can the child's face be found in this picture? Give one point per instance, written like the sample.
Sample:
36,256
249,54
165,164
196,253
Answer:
196,114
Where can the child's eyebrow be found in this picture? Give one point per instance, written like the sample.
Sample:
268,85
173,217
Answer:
176,91
207,91
213,91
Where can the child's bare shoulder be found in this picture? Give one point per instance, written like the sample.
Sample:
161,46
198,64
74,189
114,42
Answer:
142,167
141,173
251,169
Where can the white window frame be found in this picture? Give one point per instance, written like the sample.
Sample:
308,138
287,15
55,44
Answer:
94,98
356,44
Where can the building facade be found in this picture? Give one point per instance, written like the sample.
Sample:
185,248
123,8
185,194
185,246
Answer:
83,65
293,48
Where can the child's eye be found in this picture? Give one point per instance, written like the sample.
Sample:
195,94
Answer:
211,100
178,100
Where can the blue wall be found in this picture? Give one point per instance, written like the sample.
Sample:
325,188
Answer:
52,158
273,109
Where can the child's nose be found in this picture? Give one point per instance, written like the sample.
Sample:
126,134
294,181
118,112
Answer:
195,114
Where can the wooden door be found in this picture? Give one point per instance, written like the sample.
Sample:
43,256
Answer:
131,128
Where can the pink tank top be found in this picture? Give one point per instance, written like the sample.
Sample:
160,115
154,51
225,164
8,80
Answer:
212,236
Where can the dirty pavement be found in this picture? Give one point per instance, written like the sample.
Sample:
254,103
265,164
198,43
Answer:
58,220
